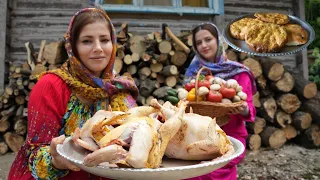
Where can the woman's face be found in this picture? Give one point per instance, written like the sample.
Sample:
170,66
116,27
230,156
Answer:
206,44
94,47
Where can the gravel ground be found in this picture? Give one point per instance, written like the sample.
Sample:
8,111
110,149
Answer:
291,162
5,163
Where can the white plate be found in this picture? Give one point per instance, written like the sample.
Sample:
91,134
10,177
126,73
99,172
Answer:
172,169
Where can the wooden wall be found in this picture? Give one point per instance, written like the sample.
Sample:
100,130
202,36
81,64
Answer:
3,46
35,20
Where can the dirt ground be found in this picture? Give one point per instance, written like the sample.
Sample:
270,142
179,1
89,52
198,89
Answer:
291,162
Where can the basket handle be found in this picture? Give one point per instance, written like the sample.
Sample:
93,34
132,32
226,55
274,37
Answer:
197,78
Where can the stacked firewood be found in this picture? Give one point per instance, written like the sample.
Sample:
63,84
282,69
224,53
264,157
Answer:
14,98
156,61
287,105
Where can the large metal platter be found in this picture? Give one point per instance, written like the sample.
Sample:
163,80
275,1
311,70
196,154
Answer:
241,45
172,169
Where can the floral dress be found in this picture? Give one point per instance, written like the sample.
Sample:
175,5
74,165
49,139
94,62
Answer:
54,110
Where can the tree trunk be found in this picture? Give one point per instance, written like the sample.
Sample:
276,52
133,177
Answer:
254,66
256,100
285,84
288,102
282,119
137,44
313,107
273,137
268,109
290,132
14,141
310,138
170,70
301,120
3,147
165,47
171,81
257,126
118,65
55,53
303,87
179,58
272,69
20,127
253,141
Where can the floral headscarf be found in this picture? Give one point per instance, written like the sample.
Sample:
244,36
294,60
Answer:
222,67
84,82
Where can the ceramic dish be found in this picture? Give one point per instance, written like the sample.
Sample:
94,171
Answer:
171,169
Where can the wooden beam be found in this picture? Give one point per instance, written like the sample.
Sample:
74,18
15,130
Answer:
3,29
304,56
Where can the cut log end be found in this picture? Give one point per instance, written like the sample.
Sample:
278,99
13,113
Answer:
3,148
290,132
288,102
282,118
14,141
310,90
254,66
254,141
257,126
273,137
301,120
285,84
272,69
310,138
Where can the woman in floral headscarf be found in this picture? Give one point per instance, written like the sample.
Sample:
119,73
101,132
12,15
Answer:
209,53
64,99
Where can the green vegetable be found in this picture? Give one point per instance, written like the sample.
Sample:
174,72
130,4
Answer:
172,92
172,99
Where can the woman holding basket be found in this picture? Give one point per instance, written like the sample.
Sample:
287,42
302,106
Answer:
209,54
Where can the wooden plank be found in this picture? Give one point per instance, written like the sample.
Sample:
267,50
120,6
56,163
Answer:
3,29
304,54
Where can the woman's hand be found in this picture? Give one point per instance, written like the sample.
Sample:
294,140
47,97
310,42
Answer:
58,161
243,109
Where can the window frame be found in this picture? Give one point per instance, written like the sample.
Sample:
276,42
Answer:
215,7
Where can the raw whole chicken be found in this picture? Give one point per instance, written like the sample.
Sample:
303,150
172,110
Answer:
199,137
132,139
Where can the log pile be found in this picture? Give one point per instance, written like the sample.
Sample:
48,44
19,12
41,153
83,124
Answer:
156,61
14,98
287,105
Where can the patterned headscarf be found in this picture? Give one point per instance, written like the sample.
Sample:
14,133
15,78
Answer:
84,82
222,67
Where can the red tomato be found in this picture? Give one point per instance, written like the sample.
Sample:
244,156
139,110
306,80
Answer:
189,86
208,77
204,84
214,96
227,92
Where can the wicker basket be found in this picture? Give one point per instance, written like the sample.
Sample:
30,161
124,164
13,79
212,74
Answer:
212,109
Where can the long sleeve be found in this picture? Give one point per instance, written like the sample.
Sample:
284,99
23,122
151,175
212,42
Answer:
244,81
47,105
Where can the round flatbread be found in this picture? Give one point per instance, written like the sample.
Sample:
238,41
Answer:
296,35
266,37
276,18
239,28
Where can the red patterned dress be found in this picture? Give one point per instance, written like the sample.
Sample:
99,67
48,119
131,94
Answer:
54,110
